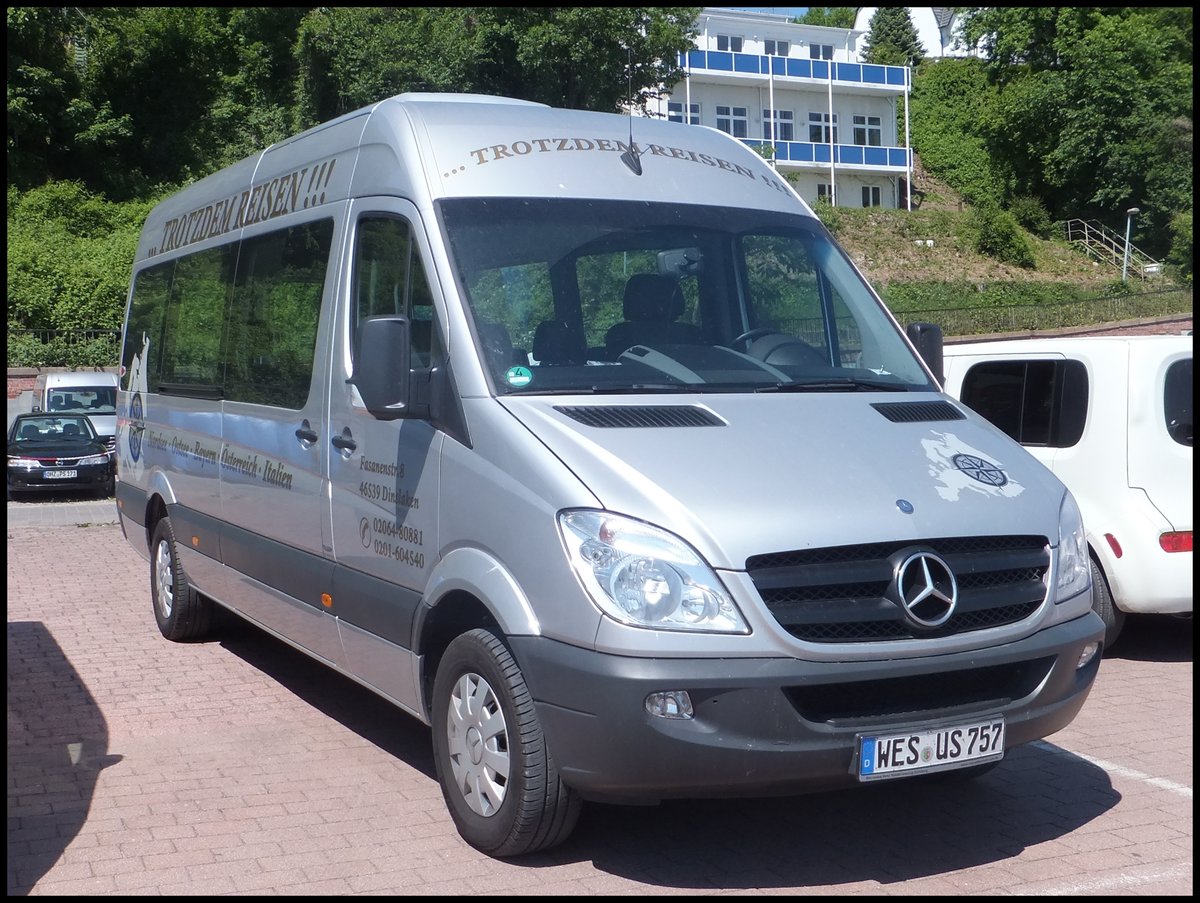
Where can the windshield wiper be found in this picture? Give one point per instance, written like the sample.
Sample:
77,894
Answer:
635,389
840,384
642,388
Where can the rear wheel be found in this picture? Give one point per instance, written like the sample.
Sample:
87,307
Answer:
181,612
498,779
1103,605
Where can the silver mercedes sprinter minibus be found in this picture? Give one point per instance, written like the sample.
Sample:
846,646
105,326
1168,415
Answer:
578,438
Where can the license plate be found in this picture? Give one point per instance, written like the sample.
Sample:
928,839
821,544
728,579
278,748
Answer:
936,749
61,474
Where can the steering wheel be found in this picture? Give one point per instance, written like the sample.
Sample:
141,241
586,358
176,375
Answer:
752,334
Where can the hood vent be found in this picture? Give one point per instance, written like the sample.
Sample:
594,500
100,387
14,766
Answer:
918,411
607,416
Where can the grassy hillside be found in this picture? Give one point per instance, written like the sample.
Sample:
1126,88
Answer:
891,246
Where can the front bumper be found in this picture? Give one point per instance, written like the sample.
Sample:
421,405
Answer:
770,726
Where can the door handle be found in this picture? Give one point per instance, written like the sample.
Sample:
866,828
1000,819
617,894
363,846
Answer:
344,442
306,433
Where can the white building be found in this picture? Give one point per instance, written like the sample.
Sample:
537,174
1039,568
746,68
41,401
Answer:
936,27
800,94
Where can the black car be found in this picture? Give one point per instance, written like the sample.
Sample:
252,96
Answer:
57,451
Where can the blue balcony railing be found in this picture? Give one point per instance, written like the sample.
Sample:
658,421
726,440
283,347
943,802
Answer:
843,154
755,64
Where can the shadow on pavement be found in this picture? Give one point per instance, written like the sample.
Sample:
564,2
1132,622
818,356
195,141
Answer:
881,834
352,705
57,746
1154,638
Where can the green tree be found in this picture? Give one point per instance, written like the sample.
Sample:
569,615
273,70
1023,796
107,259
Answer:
42,81
353,56
892,40
950,98
829,16
1093,111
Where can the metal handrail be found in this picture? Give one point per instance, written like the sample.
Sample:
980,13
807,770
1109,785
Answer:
1108,246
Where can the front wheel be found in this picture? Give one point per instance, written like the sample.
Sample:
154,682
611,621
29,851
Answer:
498,779
181,612
1105,607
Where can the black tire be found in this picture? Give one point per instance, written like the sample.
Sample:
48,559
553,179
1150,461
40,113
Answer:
503,790
1103,605
181,612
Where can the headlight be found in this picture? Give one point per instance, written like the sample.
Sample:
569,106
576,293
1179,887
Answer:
25,463
646,577
1074,570
94,459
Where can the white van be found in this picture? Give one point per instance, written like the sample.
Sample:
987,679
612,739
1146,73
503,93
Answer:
90,392
578,438
1112,417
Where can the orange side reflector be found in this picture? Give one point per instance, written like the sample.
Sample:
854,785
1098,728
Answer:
327,600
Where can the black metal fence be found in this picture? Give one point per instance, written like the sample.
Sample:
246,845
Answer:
965,321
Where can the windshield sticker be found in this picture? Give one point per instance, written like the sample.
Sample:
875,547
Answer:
958,467
519,377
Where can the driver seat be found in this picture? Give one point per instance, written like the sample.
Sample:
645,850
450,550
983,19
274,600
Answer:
651,305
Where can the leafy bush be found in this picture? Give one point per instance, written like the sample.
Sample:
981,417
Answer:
1031,214
996,234
70,254
1180,254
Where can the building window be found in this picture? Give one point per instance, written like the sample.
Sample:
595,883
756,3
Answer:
729,42
870,195
675,112
818,128
820,51
825,192
734,121
780,126
776,48
868,130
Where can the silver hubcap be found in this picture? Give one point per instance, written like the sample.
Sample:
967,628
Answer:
478,741
164,583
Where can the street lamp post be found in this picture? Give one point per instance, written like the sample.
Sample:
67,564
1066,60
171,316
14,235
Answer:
1129,215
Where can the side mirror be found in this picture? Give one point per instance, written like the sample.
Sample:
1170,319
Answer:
927,338
381,360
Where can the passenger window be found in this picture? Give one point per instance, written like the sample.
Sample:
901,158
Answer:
272,330
151,290
1036,402
191,342
389,279
1177,401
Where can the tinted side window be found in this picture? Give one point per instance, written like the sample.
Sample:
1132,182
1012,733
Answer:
273,317
143,335
1034,402
389,278
1177,401
191,341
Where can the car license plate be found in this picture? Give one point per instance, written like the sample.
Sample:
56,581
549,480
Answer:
61,474
936,749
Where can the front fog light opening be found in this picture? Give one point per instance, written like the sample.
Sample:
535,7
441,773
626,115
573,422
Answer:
1088,653
674,704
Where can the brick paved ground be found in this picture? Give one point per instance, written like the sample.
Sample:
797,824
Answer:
137,766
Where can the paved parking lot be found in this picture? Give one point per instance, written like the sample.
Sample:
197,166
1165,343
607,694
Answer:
237,766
